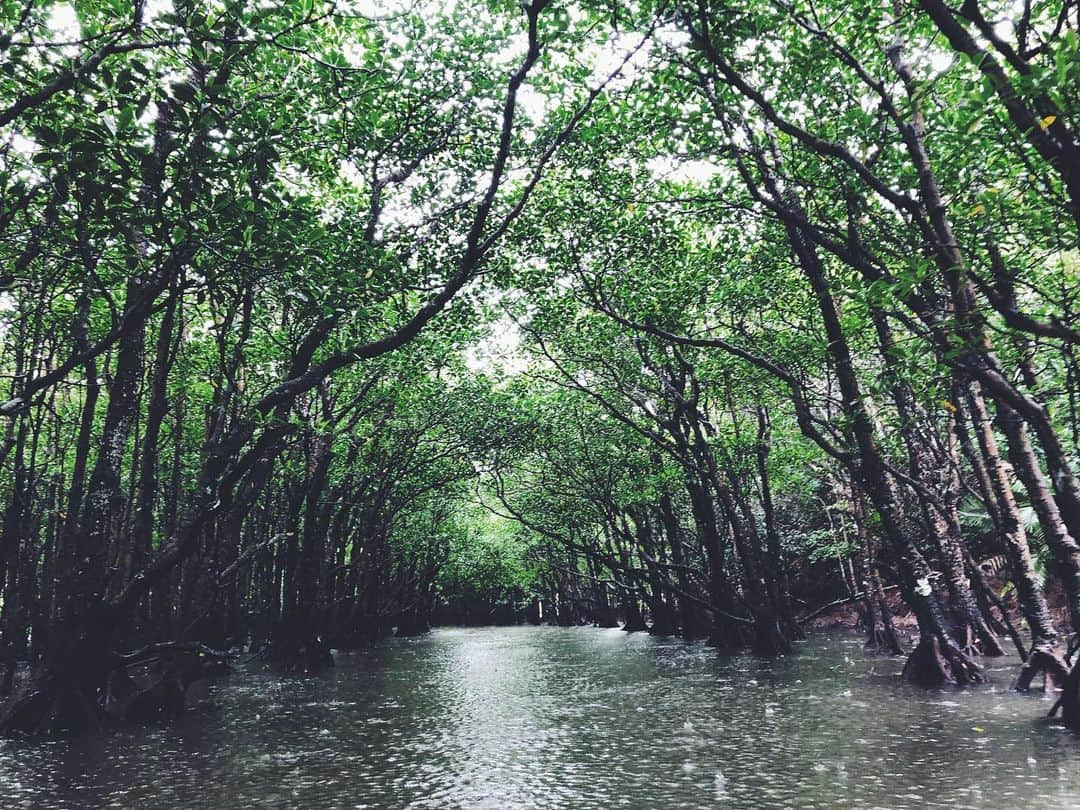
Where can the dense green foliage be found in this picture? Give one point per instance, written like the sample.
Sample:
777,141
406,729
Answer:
322,318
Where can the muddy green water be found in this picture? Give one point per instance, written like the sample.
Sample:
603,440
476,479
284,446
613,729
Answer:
578,718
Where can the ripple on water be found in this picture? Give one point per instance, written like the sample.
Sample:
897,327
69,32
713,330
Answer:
531,717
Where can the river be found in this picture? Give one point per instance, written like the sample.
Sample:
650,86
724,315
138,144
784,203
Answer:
576,718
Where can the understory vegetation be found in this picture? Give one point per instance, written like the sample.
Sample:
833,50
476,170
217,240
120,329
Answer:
322,321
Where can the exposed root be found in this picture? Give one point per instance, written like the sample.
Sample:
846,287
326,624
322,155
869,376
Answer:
1043,658
148,685
932,663
880,640
1069,701
769,639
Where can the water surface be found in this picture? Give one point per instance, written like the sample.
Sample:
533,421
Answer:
572,718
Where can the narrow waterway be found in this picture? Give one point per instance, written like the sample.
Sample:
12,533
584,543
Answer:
578,718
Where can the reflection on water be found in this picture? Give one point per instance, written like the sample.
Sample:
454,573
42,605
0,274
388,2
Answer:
578,718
